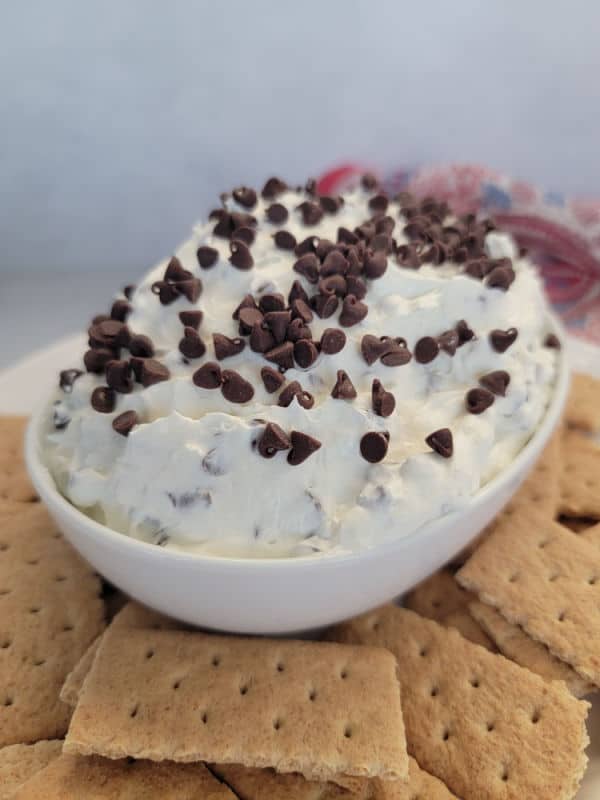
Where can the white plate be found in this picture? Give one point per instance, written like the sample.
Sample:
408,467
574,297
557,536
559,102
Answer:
22,385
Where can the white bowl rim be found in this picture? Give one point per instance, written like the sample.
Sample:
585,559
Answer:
49,493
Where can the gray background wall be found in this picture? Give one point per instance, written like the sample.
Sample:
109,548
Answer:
121,120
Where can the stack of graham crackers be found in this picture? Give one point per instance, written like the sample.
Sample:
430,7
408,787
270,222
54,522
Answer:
472,691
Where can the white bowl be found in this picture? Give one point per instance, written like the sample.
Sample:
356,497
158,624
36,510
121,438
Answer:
282,596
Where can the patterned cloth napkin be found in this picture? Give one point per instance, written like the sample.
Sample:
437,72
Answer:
561,233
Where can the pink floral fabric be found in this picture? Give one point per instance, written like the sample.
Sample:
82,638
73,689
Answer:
561,233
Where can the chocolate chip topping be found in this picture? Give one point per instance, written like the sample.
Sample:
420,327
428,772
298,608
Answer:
273,187
247,302
141,346
496,382
152,372
207,256
129,290
261,339
235,388
294,390
67,378
119,376
353,311
297,292
120,310
333,341
225,347
301,310
272,301
502,340
500,278
426,349
375,265
96,360
191,346
273,440
383,401
110,333
282,355
208,376
297,329
372,348
245,196
448,342
331,205
248,317
441,442
552,341
324,305
305,353
125,422
477,400
272,379
308,266
369,181
244,234
177,281
343,388
465,334
308,245
379,202
240,257
277,213
277,322
191,319
284,240
374,446
103,399
396,354
312,213
303,446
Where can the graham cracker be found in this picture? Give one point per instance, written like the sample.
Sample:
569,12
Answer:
544,578
259,784
469,627
438,596
541,487
132,615
50,611
583,406
515,644
18,762
76,778
480,723
14,481
580,477
312,707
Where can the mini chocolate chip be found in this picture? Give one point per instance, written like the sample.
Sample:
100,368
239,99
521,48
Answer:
119,376
330,204
129,290
374,446
152,372
272,379
383,401
552,341
241,257
375,265
167,292
397,353
273,187
207,256
175,271
125,422
408,256
191,319
282,355
477,400
379,202
248,317
191,346
353,311
441,442
502,340
448,342
67,378
110,333
294,390
381,243
244,234
308,245
372,348
120,310
96,360
297,329
500,278
426,349
325,305
385,225
103,399
366,230
346,236
305,353
191,288
312,213
335,263
226,347
277,322
436,254
284,240
303,446
247,302
273,301
343,388
235,388
277,213
369,181
273,440
333,341
208,376
261,339
324,247
245,196
474,268
308,266
297,292
356,286
141,346
301,310
497,381
465,334
334,284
